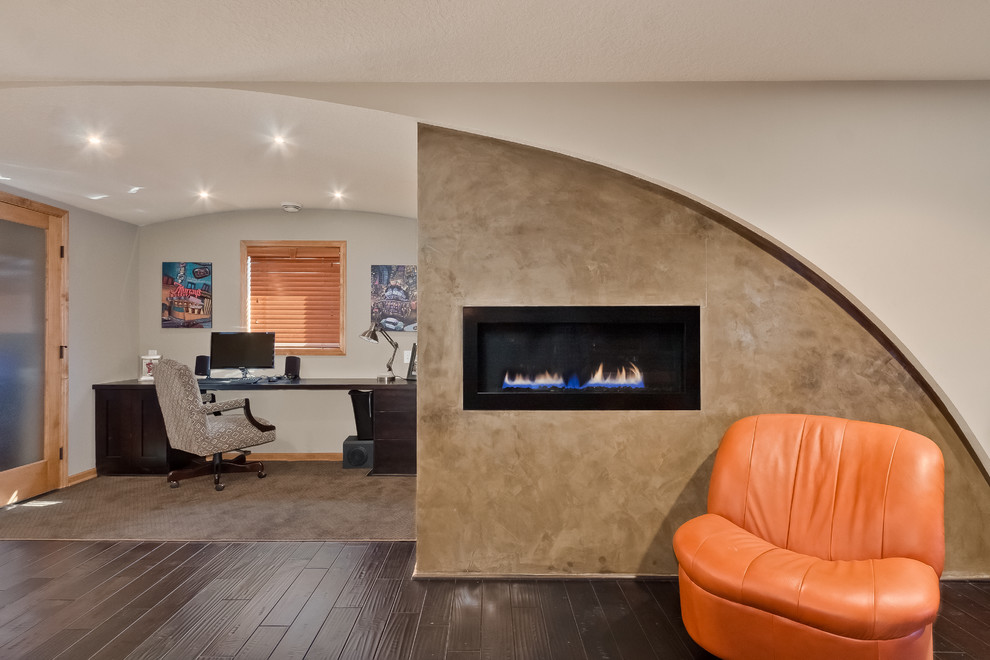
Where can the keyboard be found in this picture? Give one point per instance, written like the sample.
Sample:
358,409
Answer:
250,380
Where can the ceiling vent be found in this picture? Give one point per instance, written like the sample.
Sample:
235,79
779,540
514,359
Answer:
291,207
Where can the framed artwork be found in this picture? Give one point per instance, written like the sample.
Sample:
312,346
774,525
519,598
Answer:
394,297
187,294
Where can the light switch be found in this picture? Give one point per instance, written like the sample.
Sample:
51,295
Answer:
406,356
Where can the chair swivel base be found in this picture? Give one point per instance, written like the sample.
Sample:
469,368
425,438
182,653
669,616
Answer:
216,466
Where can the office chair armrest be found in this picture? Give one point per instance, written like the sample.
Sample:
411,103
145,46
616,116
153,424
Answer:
254,421
220,406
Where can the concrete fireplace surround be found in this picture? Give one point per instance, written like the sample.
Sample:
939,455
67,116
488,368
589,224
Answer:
593,492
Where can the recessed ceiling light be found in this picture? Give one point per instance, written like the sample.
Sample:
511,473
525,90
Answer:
204,194
135,189
337,195
279,139
97,196
94,139
4,178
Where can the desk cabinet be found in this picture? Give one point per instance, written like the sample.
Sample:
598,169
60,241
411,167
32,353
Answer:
394,430
131,438
130,432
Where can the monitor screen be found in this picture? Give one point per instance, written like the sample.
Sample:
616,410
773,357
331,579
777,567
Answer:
242,350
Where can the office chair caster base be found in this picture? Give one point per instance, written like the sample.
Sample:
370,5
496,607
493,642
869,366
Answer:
219,486
262,475
173,484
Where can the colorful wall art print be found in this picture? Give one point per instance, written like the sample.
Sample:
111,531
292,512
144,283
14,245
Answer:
187,294
394,297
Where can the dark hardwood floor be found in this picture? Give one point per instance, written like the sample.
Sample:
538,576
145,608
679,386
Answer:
131,599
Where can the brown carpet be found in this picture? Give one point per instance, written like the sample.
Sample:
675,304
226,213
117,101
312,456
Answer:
296,501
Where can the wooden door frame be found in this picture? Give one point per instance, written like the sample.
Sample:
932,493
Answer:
56,223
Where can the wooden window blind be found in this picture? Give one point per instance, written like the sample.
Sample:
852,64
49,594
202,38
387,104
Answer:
296,289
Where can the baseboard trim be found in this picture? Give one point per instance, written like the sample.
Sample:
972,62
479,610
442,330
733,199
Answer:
422,575
327,456
80,477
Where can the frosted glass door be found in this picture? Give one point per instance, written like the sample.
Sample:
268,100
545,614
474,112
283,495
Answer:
22,344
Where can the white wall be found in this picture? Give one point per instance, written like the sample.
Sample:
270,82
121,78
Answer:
881,186
102,255
307,422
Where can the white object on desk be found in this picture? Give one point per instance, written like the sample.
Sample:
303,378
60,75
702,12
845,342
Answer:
148,364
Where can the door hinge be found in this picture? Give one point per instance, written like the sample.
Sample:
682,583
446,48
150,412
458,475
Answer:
61,251
61,453
61,352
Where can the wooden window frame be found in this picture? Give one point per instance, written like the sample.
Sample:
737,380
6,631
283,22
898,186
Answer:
341,347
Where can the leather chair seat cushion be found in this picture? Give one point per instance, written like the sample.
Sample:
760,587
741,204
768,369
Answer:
863,599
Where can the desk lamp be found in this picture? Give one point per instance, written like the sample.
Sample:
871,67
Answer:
371,334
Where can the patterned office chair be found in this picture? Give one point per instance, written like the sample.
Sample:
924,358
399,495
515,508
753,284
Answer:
197,428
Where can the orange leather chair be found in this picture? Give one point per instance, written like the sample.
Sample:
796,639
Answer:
824,538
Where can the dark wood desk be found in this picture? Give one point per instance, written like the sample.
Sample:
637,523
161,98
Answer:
130,431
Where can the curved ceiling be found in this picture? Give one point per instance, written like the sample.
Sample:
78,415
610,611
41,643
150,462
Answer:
137,73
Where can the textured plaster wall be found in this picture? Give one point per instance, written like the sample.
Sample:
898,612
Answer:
564,492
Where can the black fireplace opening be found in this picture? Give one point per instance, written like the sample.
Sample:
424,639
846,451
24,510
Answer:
582,358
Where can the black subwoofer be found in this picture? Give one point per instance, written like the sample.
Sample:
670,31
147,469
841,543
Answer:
359,453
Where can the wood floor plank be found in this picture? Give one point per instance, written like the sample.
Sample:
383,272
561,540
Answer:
437,603
134,563
327,593
230,640
412,596
969,599
309,549
332,636
325,555
19,625
563,637
530,640
956,613
524,593
310,620
51,647
70,563
72,582
626,631
253,570
195,635
22,589
655,623
496,620
24,564
465,616
370,623
430,644
262,642
160,576
398,637
668,597
356,590
292,601
183,600
185,623
131,626
596,635
397,562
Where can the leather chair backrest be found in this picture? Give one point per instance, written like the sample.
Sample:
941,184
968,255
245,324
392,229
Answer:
833,488
181,404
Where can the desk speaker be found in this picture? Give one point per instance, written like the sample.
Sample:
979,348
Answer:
291,367
359,453
202,365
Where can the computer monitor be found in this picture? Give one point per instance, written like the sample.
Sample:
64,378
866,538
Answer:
242,350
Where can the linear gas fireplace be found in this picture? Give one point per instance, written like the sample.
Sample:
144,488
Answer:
582,358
